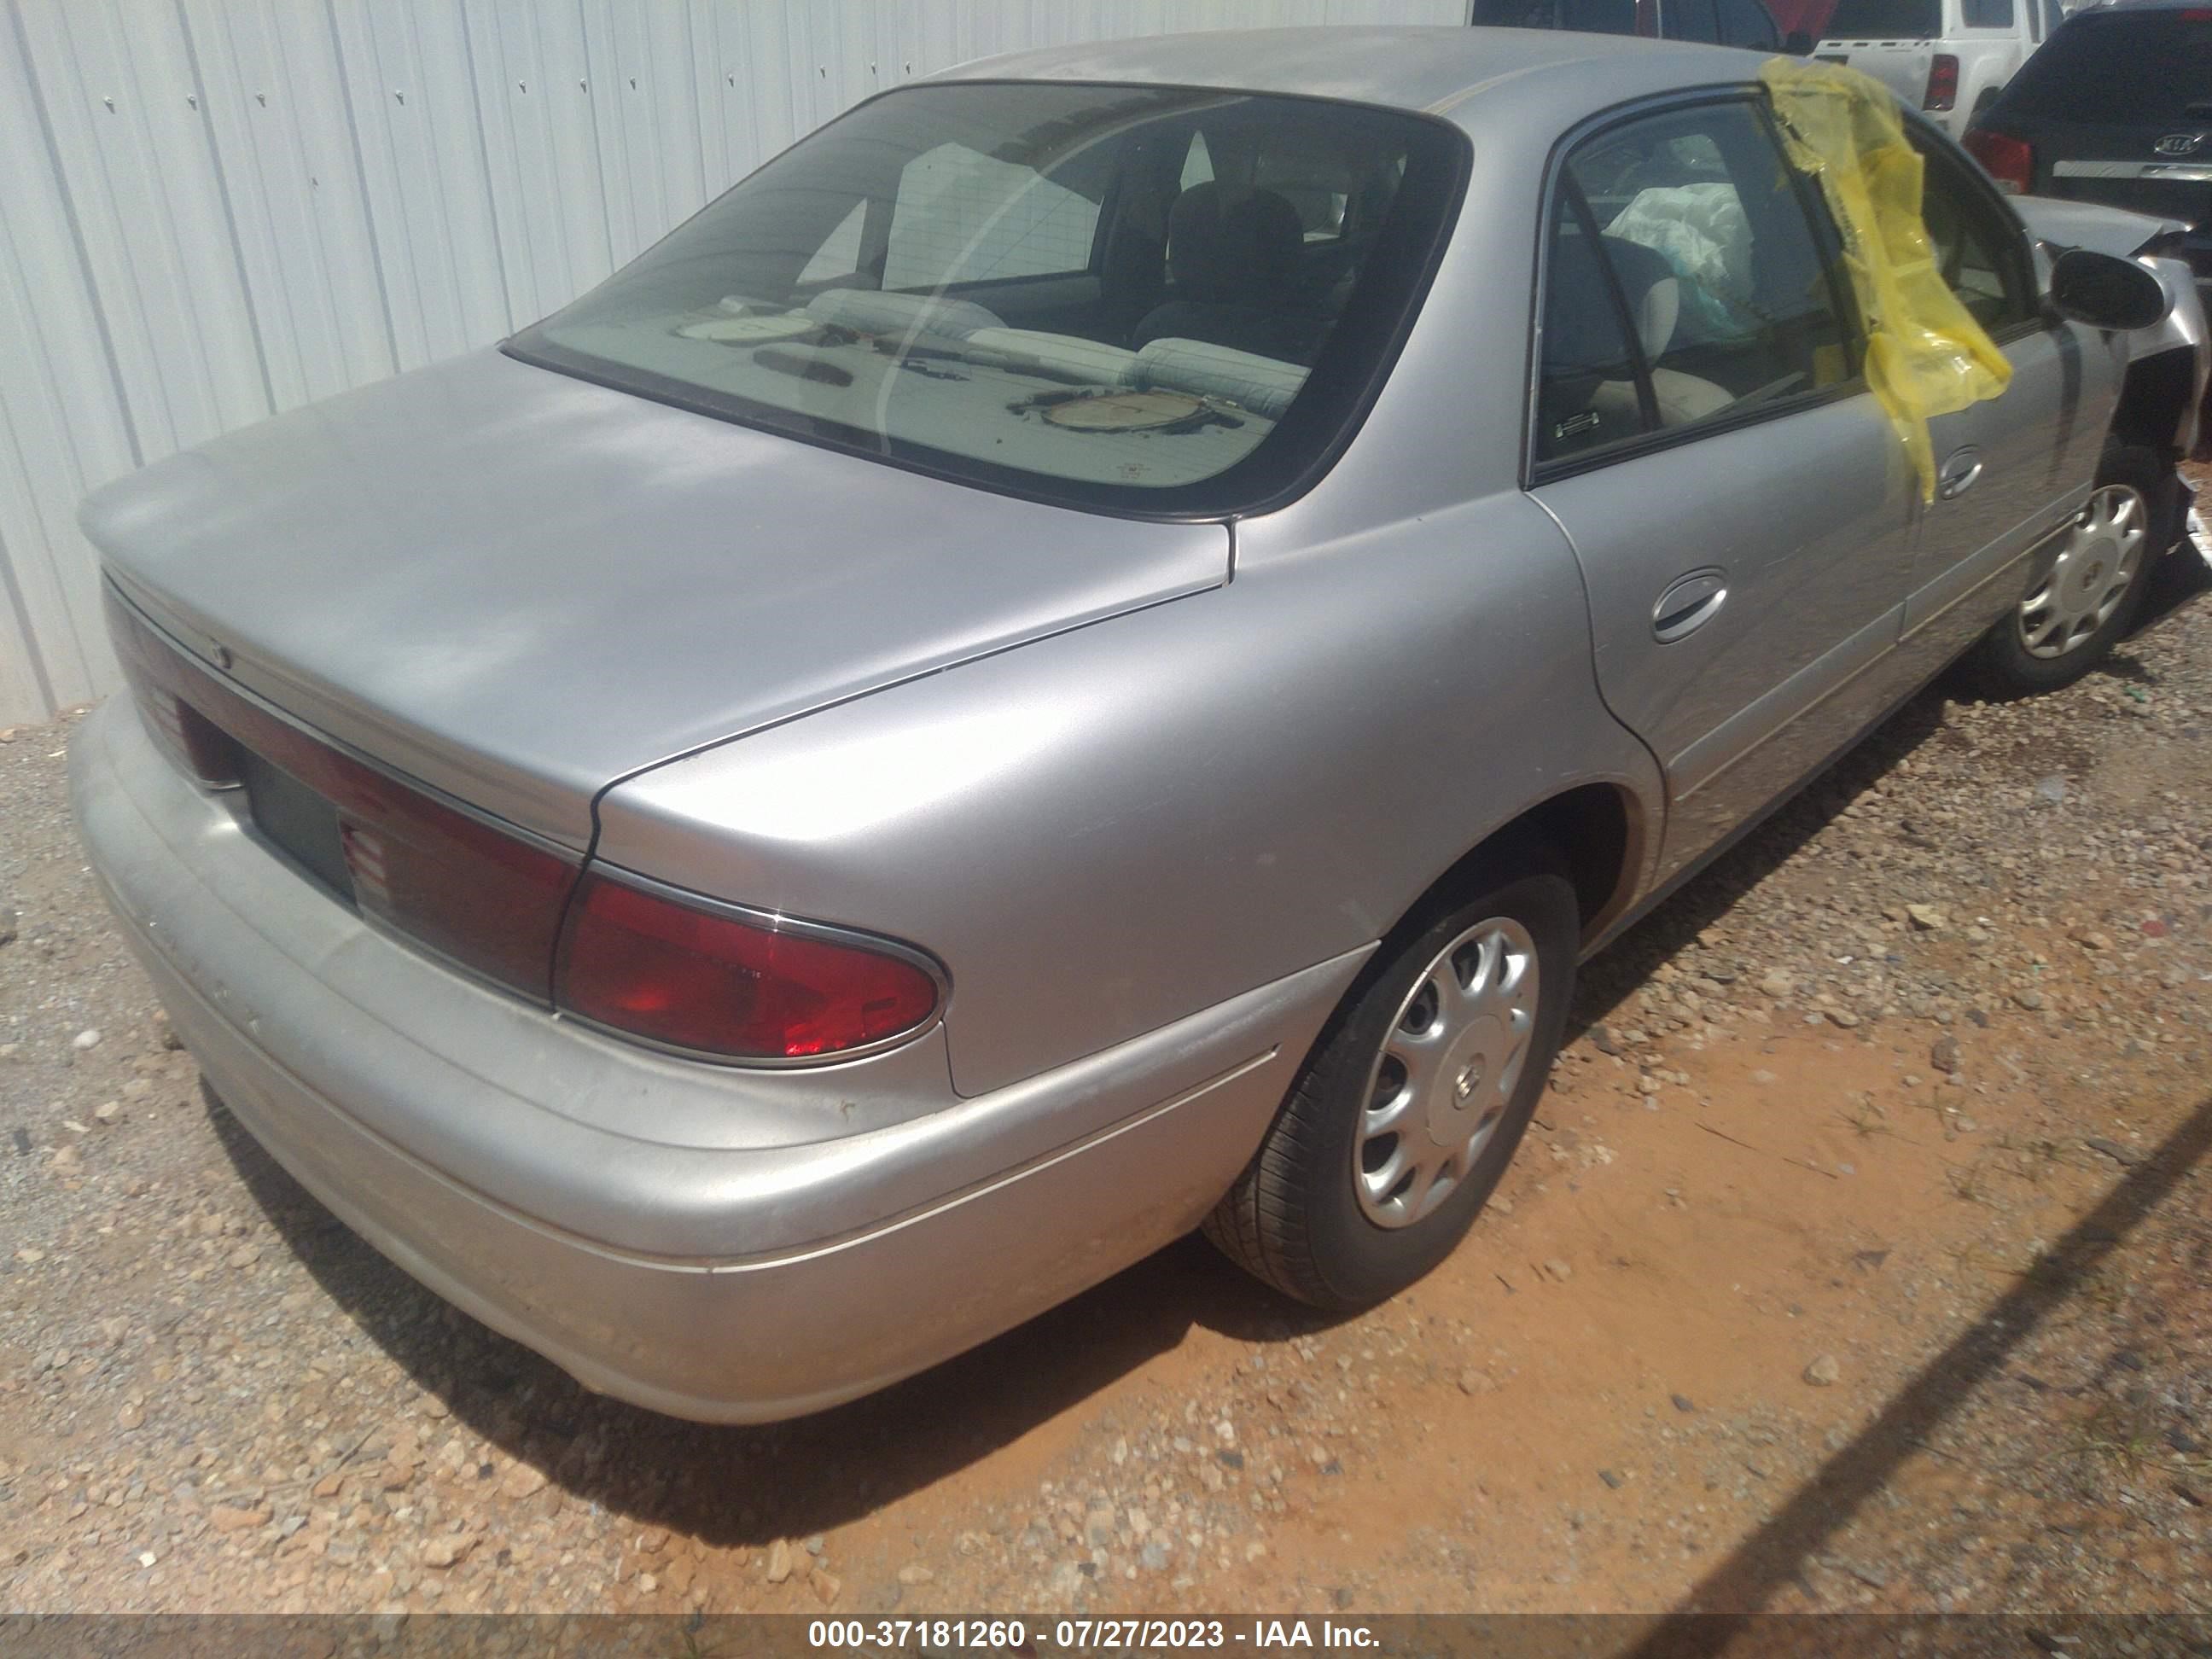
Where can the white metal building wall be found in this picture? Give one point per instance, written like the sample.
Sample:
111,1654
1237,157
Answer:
211,211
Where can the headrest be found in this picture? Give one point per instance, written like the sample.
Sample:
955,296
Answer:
1581,332
1238,255
1654,293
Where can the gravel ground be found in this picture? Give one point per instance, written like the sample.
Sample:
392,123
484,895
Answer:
1857,1260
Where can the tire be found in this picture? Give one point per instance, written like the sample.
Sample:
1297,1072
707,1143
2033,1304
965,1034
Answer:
1296,1217
2082,605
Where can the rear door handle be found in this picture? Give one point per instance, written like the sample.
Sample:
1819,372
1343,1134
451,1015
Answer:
1957,475
1689,605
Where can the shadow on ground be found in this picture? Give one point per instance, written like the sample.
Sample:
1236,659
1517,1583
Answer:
750,1485
1777,1554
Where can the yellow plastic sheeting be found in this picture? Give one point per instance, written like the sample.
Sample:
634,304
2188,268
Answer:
1926,355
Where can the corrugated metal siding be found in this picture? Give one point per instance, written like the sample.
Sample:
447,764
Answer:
217,209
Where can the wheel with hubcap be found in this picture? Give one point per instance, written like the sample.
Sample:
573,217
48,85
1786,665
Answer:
2082,598
1446,1071
1415,1097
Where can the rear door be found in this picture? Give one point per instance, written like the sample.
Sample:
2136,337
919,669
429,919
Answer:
1738,503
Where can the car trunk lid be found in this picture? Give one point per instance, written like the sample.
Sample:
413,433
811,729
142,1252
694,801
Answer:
519,587
1900,65
1891,40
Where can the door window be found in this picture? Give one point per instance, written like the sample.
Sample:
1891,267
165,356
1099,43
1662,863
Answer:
1713,259
1977,246
1590,387
1747,23
1988,14
963,216
1689,19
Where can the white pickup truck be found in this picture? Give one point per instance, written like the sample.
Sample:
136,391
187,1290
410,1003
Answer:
1948,58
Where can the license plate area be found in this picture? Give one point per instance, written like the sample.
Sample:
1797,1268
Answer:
297,821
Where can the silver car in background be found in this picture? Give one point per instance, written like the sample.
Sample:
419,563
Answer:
1083,653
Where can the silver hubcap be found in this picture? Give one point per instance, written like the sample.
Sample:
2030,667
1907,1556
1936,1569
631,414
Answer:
2097,562
1447,1071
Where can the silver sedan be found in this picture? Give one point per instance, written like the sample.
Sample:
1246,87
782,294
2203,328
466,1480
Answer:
1081,655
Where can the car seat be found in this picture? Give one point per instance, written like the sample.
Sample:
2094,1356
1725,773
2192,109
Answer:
1234,266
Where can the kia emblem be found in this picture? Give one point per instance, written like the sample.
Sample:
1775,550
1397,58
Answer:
2178,143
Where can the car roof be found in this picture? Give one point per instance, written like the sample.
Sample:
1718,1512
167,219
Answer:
1434,69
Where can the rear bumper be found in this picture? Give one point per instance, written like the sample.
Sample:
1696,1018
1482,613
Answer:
452,1128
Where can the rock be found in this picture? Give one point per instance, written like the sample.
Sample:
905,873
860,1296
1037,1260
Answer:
2030,999
2090,940
1098,1528
779,1561
915,1573
1612,1479
132,1416
1559,1270
827,1586
523,1480
108,1111
1682,1402
2052,790
1824,1372
66,1157
85,1040
223,1518
1474,1380
2122,1154
1153,1556
1843,1016
1943,1054
1602,1039
1777,984
448,1549
1927,918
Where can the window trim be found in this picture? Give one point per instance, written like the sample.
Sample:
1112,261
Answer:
1536,472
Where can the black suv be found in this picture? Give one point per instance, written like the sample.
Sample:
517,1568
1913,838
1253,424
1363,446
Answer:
2116,108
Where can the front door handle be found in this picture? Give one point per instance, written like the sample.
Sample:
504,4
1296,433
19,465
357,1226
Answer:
1689,605
1957,474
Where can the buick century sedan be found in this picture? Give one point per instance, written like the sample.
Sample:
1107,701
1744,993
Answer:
1082,655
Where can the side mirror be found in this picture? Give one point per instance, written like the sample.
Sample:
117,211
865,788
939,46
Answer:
1798,44
2105,291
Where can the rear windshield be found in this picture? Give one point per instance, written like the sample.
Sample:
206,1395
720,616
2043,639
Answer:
1886,20
1147,298
2121,69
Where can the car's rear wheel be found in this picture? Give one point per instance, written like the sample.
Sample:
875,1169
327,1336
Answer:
2080,603
1412,1101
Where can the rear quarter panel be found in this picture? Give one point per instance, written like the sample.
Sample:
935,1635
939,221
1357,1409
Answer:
1102,832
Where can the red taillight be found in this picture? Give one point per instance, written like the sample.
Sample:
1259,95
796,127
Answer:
653,966
2009,160
487,900
1942,83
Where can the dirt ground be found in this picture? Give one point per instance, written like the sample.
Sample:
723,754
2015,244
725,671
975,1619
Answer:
1857,1260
